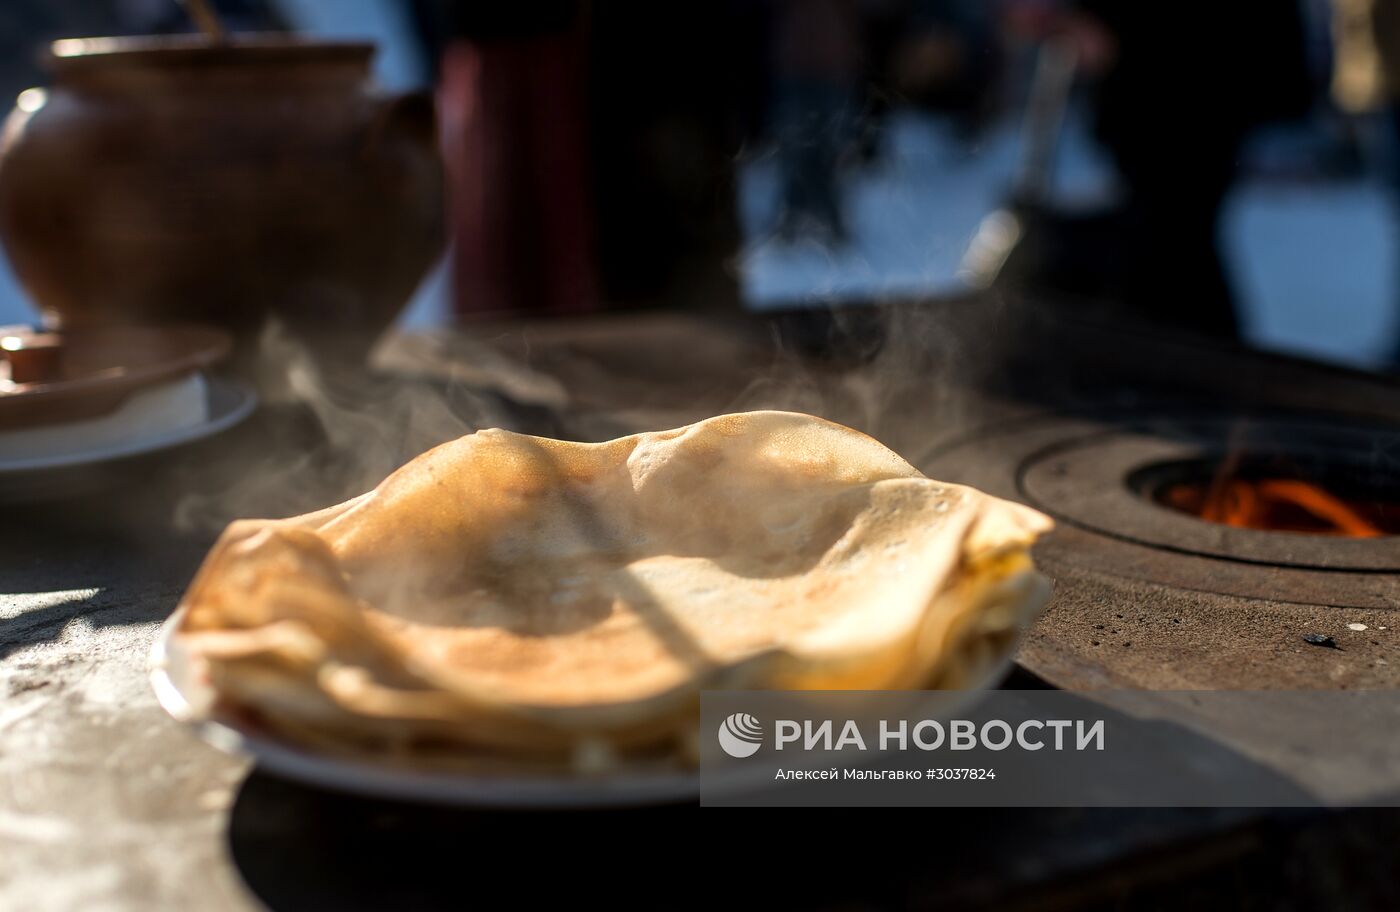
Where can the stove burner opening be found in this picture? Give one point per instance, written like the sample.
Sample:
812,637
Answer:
1283,493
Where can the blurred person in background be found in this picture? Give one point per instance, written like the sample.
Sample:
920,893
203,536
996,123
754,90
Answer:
1175,90
817,61
937,56
511,88
839,69
590,150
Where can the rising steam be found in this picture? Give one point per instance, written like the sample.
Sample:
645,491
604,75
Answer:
333,434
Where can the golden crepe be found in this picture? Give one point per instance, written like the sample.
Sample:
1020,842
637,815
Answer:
534,598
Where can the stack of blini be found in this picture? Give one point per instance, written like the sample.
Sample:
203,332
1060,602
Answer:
531,601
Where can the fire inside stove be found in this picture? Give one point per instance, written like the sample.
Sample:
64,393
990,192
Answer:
1280,495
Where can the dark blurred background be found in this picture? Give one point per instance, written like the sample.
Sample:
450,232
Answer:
1225,169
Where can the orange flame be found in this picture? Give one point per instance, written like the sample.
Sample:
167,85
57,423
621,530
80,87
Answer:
1287,504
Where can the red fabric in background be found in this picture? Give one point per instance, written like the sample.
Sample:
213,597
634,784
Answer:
515,143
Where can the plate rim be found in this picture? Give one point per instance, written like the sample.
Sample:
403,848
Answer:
169,665
244,402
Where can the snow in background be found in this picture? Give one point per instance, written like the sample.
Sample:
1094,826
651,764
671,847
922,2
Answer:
1313,263
1315,267
910,215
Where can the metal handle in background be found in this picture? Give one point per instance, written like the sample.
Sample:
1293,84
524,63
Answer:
1000,231
1055,67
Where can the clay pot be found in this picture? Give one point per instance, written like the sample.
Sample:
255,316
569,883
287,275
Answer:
169,179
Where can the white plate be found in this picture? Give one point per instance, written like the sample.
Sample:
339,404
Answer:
229,403
190,699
